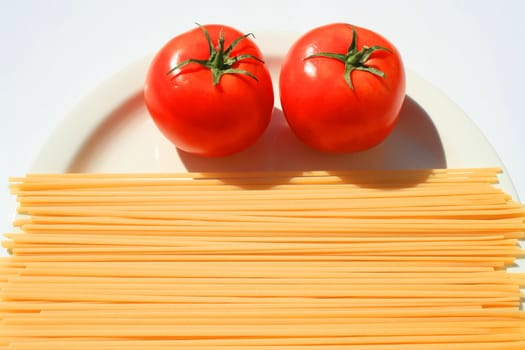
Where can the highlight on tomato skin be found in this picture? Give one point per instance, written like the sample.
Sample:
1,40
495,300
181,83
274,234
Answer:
342,88
209,91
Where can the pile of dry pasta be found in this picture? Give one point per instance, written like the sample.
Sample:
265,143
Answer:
372,260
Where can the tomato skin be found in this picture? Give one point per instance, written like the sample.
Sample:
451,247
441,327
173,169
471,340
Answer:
198,116
320,107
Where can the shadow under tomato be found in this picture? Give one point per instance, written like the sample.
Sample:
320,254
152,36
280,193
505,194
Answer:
256,158
413,144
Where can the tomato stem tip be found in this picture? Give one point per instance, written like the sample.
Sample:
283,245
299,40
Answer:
219,61
354,59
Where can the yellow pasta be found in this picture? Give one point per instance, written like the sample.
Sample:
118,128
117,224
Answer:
318,260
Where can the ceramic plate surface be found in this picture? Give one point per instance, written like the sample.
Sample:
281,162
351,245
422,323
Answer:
110,130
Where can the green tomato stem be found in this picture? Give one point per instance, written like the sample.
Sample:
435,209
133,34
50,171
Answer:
354,59
220,62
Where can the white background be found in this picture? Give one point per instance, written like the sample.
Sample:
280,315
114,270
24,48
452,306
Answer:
52,53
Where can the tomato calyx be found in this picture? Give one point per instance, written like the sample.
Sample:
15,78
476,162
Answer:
220,62
355,59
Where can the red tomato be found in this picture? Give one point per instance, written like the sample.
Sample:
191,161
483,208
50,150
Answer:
209,92
342,88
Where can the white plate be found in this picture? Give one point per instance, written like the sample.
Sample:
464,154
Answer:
110,131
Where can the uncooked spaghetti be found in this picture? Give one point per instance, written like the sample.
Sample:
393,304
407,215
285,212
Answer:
371,260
